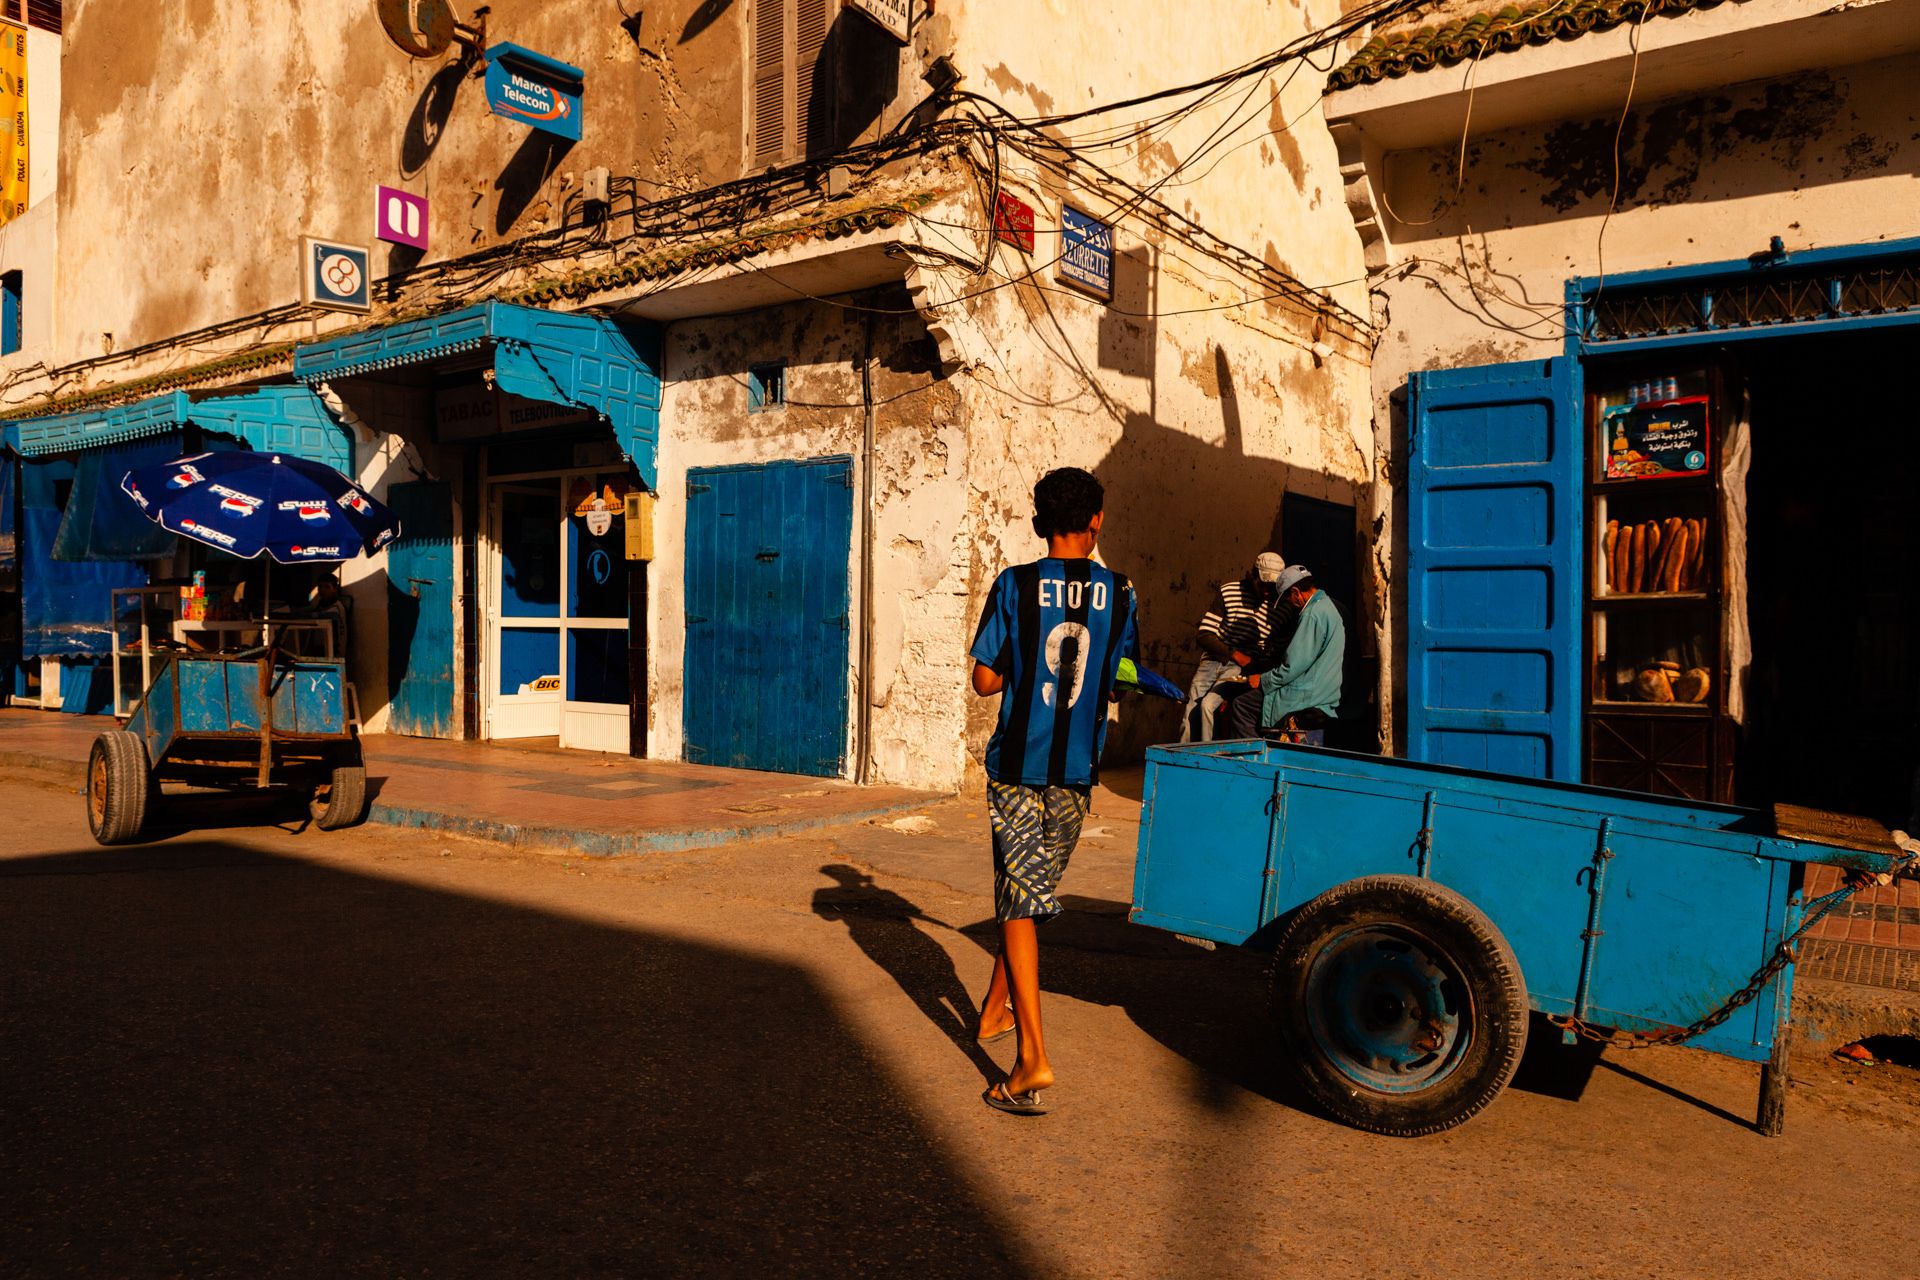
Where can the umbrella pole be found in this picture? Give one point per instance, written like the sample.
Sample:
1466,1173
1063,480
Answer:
266,672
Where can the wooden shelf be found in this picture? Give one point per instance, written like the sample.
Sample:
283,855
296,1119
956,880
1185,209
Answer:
1703,710
1655,597
1652,484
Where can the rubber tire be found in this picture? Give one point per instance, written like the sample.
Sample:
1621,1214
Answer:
343,801
1456,930
118,787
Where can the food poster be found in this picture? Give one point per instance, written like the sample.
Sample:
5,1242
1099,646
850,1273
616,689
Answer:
1660,440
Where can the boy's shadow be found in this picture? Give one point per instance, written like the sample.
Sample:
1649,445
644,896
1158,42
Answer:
883,926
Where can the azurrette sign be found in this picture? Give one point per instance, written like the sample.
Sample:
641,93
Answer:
535,90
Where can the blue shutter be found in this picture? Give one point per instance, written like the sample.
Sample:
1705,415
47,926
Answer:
1494,501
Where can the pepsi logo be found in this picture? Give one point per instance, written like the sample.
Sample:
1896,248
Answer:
311,512
133,491
353,502
186,477
313,551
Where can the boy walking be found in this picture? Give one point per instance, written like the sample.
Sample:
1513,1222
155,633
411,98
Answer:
1049,642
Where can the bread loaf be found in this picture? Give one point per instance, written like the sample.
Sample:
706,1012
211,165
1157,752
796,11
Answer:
1637,562
1698,577
1607,540
1622,553
1692,685
1656,535
1653,685
1676,559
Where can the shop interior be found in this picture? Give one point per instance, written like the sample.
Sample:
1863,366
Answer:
1793,563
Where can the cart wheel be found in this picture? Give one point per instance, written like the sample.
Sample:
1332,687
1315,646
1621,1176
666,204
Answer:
117,787
1400,1004
342,800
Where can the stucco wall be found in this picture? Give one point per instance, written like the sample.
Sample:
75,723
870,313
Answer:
277,124
1823,159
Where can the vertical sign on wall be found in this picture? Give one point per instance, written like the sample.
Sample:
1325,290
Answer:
1086,252
400,217
13,113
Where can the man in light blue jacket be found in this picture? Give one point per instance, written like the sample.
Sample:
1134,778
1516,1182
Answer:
1299,696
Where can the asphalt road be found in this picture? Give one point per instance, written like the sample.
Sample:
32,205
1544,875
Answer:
250,1050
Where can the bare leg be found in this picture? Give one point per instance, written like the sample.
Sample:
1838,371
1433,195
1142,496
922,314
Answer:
996,1014
1020,958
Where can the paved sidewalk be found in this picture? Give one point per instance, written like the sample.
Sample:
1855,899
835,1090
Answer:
532,795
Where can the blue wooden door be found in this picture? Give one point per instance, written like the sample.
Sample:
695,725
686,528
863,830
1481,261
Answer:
767,599
420,610
1494,500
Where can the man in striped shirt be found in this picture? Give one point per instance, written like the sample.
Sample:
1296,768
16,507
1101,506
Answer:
1235,629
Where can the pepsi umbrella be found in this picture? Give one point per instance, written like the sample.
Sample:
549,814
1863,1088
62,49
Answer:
246,504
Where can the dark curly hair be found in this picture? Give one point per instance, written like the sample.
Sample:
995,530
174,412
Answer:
1065,501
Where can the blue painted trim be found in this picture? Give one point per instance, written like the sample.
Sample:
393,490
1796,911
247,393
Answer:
1744,267
589,362
1750,333
552,68
1579,288
290,420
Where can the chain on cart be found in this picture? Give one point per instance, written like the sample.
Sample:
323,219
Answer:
1783,955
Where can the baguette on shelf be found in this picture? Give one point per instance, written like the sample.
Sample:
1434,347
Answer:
1654,557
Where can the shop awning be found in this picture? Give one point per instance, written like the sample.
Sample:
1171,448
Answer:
290,420
589,362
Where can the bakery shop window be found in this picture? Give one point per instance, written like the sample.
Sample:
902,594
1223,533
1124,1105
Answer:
1663,658
1660,542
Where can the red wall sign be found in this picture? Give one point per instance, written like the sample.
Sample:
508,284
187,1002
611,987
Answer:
1013,222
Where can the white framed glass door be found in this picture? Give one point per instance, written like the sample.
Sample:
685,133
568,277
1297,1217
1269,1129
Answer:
556,661
524,640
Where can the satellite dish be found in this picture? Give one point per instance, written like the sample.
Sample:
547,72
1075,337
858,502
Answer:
422,28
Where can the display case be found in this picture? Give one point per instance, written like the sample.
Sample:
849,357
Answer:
1655,664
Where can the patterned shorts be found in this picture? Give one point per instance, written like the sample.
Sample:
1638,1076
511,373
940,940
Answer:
1034,831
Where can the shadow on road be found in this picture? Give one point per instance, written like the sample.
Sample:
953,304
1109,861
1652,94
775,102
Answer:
226,1062
883,926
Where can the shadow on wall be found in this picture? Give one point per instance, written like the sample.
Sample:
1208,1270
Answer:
520,182
253,1064
1185,513
428,123
862,66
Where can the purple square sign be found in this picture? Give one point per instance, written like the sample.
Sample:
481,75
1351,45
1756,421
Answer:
400,217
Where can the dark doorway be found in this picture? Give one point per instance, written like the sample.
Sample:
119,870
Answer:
1833,700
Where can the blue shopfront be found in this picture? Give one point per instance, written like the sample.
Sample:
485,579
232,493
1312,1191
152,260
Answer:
518,446
1678,556
78,549
515,443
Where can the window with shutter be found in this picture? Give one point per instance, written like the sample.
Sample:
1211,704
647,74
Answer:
44,14
788,39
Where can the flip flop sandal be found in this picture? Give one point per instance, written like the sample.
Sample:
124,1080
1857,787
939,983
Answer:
999,1035
1014,1104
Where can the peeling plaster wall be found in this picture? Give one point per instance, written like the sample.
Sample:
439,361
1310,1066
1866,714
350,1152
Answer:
1823,159
920,457
1269,180
1197,427
274,124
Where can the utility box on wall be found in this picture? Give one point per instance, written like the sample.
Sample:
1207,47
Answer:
639,514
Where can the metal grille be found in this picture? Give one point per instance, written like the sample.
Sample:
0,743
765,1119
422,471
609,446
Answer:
1769,296
1862,964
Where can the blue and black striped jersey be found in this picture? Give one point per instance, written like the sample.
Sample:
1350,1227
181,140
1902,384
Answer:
1056,630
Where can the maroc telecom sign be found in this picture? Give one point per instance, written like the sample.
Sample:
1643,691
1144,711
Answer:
535,90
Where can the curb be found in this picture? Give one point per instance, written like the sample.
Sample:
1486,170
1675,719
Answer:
595,844
1836,1013
607,844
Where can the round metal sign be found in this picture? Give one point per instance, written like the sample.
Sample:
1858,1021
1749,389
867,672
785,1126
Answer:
423,28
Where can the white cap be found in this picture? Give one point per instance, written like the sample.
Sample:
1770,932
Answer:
1268,565
1291,576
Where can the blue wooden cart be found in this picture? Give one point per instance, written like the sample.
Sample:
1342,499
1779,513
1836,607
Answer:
267,719
1417,912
